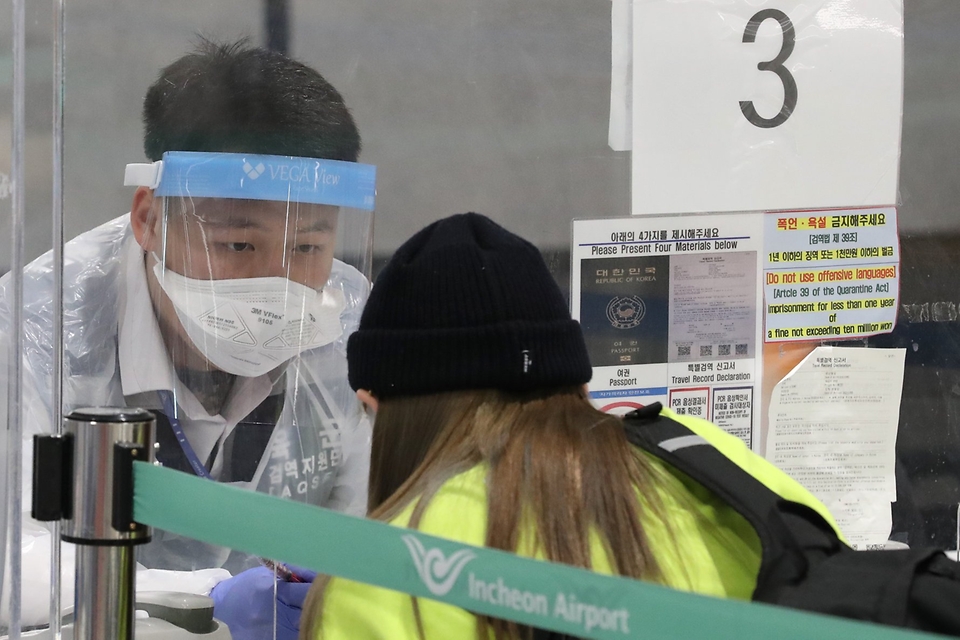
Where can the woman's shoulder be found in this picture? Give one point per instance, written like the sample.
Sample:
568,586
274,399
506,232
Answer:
457,510
352,610
757,466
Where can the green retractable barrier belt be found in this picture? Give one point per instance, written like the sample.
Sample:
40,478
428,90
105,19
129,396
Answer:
487,581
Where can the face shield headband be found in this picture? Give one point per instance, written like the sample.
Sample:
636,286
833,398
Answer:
249,326
189,174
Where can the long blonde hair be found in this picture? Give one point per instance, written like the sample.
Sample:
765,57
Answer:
556,466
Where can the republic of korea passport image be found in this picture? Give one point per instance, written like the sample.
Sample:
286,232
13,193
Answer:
624,309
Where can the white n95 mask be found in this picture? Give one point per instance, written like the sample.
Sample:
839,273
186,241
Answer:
250,326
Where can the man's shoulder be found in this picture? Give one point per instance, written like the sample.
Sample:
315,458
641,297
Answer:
102,243
93,267
91,257
90,251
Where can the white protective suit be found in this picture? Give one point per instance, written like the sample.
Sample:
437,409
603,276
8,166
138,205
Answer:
318,452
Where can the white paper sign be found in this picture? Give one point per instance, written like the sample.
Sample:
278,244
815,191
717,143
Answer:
816,125
833,428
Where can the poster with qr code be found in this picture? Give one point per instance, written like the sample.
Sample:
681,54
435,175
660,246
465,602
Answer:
712,306
669,310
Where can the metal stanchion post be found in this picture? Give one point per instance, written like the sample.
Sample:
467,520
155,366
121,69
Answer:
85,478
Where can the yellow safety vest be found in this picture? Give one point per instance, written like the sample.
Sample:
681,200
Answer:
708,549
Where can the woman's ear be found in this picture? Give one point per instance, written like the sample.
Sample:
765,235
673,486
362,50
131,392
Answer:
368,400
144,219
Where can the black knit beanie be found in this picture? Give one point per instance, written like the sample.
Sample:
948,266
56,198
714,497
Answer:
465,304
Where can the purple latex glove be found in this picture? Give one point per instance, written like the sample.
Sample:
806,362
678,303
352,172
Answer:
246,602
290,597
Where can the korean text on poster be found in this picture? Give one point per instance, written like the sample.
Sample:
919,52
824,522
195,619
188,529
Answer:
831,274
668,306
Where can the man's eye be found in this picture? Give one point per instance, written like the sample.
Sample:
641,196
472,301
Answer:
239,247
308,248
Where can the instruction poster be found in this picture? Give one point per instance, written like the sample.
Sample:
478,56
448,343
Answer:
706,313
669,309
830,275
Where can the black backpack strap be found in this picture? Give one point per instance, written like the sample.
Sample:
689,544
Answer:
544,634
680,447
784,527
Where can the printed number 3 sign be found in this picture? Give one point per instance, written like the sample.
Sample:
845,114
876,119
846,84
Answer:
776,66
770,104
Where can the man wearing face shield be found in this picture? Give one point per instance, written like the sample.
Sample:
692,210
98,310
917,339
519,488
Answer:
218,304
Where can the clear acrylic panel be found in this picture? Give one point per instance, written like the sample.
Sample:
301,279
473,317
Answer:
498,107
220,290
6,450
25,196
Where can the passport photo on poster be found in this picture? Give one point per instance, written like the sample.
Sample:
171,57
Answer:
624,309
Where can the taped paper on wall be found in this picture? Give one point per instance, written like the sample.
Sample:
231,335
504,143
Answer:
833,428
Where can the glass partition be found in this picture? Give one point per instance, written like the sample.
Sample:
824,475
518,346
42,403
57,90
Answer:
503,108
26,51
6,117
928,484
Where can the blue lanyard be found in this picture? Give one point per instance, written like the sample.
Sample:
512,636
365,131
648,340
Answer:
170,410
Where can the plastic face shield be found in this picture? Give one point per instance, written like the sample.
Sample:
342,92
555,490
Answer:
255,255
256,269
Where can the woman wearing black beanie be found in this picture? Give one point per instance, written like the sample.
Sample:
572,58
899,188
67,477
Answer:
484,434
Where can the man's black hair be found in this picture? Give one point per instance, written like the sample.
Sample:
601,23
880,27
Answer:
239,98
